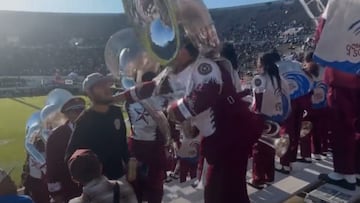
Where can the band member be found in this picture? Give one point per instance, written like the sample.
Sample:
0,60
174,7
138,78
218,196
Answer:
60,185
86,169
272,100
188,152
147,145
101,128
319,114
8,190
300,94
227,124
35,182
343,98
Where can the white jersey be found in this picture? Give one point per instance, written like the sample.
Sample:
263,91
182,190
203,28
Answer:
275,103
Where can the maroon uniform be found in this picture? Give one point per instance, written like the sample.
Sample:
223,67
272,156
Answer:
344,99
212,103
59,179
229,128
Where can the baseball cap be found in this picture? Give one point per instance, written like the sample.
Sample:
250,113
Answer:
84,165
4,174
73,104
93,79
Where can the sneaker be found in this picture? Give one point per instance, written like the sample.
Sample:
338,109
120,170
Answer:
305,160
174,176
258,186
317,157
283,170
195,184
341,183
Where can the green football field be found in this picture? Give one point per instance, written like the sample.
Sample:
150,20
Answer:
14,114
13,117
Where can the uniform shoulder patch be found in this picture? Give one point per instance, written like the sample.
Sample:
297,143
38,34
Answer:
258,83
204,68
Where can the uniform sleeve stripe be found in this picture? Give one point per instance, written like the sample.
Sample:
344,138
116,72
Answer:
183,109
133,94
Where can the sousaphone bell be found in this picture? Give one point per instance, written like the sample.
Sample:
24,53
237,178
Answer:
273,138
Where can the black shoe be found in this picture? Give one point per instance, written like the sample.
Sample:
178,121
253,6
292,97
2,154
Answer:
283,171
255,185
303,160
358,182
341,183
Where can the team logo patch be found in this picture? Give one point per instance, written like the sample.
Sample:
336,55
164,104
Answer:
258,82
204,68
117,124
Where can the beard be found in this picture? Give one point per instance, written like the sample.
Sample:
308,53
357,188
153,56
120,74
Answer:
102,101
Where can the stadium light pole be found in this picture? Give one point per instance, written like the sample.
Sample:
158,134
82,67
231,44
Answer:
319,6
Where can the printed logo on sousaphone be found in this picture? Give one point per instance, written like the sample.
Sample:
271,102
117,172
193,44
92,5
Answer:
204,69
353,49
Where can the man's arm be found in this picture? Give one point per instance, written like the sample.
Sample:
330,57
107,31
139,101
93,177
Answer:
124,149
53,171
79,139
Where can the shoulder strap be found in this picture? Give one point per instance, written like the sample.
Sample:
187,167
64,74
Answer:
116,193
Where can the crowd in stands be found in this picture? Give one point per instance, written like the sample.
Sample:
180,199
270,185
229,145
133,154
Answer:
256,30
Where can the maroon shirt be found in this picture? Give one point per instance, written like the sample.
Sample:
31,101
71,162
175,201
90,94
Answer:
58,176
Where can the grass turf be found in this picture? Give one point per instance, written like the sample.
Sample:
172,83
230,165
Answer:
13,117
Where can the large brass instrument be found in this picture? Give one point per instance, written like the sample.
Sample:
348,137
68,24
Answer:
272,137
127,59
32,135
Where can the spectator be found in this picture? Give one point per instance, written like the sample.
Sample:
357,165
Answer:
101,128
8,190
86,169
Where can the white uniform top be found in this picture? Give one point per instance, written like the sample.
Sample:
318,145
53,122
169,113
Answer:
143,125
276,103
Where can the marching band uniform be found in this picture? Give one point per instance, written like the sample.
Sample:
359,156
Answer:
300,94
344,97
147,146
274,105
59,180
319,116
212,103
188,154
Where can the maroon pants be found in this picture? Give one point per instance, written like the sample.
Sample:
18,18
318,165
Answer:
150,179
346,144
292,127
187,167
320,119
37,190
263,169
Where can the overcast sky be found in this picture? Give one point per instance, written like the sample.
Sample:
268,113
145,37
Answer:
95,6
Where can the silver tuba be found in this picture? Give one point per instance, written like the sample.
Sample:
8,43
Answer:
50,115
158,25
32,135
271,136
128,61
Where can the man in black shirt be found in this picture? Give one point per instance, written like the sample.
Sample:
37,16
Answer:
101,128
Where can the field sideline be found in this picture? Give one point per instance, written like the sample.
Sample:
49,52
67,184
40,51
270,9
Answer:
13,117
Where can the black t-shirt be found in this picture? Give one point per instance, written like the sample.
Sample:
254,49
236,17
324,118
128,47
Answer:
105,135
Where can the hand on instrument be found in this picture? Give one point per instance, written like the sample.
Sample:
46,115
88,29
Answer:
119,97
